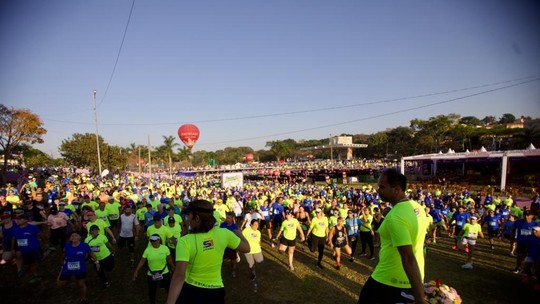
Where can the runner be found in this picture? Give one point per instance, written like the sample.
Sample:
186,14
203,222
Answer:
353,223
129,232
319,227
156,257
26,241
230,254
253,237
104,252
74,264
470,232
337,240
289,228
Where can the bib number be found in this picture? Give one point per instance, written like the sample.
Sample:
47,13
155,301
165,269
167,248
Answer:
73,266
22,242
94,248
157,276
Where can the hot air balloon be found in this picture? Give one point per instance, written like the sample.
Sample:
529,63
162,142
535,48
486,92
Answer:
189,134
249,157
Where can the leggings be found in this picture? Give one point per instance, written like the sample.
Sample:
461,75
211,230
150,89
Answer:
367,238
153,285
318,242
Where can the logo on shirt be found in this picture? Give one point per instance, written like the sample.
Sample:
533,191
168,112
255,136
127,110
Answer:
208,245
417,211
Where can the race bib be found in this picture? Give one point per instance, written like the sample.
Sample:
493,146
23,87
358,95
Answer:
277,212
493,224
459,223
471,236
73,266
157,276
22,242
94,248
265,213
114,216
526,231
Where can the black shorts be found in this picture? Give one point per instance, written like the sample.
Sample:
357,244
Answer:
375,292
66,277
521,248
317,241
32,256
193,294
264,224
230,254
129,241
287,242
492,233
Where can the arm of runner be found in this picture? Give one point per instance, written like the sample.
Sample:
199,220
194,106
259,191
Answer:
413,273
139,266
301,232
244,245
177,282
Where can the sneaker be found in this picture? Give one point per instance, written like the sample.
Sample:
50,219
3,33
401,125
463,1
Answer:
512,254
105,285
454,247
233,274
526,280
492,247
2,262
467,265
320,266
351,260
434,241
35,279
466,249
273,246
363,254
338,267
291,267
516,271
253,277
372,258
238,258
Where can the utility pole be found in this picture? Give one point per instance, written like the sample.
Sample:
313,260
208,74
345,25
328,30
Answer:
97,133
139,163
331,152
149,159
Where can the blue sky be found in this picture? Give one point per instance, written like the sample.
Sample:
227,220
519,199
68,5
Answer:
248,72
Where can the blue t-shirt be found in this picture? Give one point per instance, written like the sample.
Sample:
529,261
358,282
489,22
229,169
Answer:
461,219
26,237
231,227
436,215
523,229
277,211
266,214
75,262
8,235
533,248
493,222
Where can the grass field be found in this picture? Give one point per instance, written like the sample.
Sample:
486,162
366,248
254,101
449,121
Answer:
491,280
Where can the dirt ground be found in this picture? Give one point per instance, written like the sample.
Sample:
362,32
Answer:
491,280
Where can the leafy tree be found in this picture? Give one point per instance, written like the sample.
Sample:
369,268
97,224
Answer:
399,141
282,149
507,118
168,145
490,120
525,137
18,126
436,127
80,150
471,121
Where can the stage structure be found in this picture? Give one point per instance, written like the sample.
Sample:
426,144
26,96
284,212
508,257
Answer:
341,145
495,165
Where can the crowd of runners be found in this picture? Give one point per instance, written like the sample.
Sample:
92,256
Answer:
90,217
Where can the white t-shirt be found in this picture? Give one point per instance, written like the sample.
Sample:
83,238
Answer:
252,216
126,229
237,208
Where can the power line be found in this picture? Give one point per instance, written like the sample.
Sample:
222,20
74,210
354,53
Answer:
118,55
311,110
374,116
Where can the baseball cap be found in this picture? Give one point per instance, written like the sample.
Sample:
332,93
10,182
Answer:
287,211
171,219
318,210
62,204
155,237
474,218
537,228
157,217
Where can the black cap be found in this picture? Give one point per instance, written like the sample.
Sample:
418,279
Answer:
199,206
171,219
157,217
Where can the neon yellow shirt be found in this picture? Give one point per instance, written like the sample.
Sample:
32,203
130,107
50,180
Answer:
319,226
367,219
406,224
114,210
289,228
470,231
204,252
140,213
254,239
98,246
100,223
176,232
103,215
163,232
157,258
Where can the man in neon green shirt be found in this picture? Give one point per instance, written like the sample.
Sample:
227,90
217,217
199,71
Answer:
289,228
401,262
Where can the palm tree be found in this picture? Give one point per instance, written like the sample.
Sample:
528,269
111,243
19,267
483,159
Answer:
168,145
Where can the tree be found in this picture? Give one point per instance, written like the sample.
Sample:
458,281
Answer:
489,120
282,149
80,150
507,118
18,126
168,145
472,121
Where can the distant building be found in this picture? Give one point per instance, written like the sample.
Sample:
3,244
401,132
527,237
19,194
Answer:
341,145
